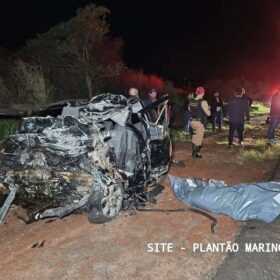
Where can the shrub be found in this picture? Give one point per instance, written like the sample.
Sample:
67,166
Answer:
7,128
258,109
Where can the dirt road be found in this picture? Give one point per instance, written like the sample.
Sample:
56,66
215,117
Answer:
72,248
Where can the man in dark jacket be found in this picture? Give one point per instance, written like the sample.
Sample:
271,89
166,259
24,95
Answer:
238,112
151,99
274,120
217,111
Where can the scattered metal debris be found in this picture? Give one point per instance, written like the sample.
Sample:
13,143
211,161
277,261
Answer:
212,219
50,221
39,244
5,208
177,163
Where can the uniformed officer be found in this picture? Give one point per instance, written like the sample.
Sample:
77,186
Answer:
199,110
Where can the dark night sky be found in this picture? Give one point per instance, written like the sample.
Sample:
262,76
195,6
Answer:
174,39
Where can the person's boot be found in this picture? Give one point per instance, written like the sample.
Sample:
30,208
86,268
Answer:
197,153
193,150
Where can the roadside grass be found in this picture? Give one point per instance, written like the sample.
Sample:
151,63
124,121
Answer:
258,109
179,135
254,127
223,142
7,127
268,154
256,147
250,143
256,144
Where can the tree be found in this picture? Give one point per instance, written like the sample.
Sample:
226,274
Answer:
82,44
31,85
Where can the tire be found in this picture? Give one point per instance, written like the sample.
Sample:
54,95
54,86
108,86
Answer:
105,205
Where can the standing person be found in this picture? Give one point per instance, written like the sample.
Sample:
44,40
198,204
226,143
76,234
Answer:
247,97
274,119
187,116
238,112
152,97
133,92
199,110
217,111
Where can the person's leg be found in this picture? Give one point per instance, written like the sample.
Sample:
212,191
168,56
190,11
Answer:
231,133
191,130
192,134
197,138
240,131
198,129
273,122
220,120
214,120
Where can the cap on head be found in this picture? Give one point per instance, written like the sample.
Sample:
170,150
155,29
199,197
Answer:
200,90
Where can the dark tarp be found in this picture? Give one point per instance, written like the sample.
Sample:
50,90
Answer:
242,202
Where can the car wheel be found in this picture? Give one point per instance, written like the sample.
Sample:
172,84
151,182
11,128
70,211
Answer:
106,204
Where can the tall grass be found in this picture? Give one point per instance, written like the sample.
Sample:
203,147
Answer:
259,153
179,135
7,128
258,109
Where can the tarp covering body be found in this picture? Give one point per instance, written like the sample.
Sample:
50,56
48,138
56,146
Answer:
242,202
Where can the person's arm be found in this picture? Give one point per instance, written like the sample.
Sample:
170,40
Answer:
205,108
247,110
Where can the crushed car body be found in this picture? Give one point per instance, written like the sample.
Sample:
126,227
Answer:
95,155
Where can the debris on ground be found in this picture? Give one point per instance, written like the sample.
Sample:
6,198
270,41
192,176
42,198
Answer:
39,244
177,163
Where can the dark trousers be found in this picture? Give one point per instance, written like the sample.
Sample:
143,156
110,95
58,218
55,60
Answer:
239,127
273,123
217,119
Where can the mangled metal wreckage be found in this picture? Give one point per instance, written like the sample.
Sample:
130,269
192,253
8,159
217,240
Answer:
99,156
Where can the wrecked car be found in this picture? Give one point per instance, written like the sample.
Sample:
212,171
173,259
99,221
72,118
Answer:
97,155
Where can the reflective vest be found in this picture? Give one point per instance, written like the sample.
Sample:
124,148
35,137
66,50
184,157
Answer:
196,110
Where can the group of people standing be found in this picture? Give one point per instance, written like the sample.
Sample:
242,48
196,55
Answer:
198,112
